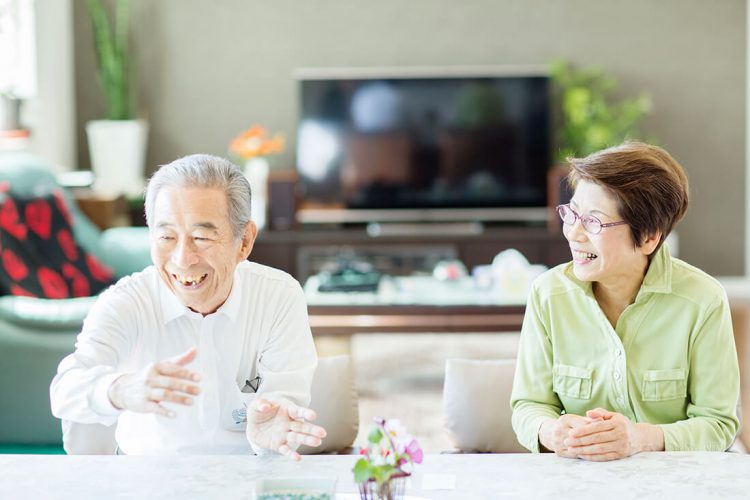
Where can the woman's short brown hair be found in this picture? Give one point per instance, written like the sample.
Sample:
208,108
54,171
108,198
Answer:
650,187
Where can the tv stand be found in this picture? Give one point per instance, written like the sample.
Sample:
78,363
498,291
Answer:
303,251
307,214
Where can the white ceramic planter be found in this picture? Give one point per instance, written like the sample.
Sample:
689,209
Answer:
10,112
118,154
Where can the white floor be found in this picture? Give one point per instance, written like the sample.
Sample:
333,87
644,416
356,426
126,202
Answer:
401,376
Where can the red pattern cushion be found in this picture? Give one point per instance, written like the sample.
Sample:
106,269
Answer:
38,255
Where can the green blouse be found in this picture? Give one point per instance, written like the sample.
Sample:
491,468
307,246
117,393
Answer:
670,361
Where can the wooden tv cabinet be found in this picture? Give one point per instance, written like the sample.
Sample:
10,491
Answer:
302,251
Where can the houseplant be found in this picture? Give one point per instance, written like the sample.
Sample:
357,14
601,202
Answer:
117,144
386,462
590,118
251,147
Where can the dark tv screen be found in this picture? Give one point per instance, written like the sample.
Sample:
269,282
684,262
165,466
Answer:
424,143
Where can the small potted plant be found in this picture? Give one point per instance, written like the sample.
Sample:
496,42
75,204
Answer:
589,117
117,144
386,462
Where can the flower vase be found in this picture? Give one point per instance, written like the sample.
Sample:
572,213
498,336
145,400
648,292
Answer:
256,172
393,489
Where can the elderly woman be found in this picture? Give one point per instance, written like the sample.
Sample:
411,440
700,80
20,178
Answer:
625,349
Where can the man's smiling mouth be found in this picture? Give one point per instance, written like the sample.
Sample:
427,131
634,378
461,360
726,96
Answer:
189,281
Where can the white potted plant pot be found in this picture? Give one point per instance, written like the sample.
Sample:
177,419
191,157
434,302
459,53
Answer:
118,154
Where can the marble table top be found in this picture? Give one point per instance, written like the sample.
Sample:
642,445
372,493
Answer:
462,476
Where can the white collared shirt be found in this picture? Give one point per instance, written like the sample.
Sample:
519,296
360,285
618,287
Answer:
262,330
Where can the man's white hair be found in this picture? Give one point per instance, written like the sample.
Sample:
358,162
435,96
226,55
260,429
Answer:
204,171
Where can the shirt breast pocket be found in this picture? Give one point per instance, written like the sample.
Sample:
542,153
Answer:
572,381
662,385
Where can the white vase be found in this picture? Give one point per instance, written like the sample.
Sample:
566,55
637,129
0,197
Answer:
118,154
256,171
10,112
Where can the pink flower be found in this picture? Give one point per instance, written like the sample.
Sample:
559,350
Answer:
415,452
391,449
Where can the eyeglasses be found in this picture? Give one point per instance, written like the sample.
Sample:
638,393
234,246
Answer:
590,224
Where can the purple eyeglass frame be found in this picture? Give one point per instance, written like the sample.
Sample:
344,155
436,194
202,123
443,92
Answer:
602,225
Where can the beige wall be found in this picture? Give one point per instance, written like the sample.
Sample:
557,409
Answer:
209,69
52,111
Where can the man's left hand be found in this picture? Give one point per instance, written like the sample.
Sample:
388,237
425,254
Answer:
612,436
281,425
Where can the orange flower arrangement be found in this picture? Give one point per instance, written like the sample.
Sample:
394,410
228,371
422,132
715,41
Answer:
255,142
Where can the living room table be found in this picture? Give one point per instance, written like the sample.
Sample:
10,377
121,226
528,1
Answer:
465,476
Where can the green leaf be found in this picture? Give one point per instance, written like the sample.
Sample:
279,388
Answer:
112,57
382,473
375,435
589,118
362,471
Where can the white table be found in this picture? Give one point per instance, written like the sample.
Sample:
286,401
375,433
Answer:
648,475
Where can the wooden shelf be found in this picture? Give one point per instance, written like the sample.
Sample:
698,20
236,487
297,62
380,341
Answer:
348,320
103,210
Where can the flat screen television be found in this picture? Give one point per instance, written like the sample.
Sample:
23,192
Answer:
423,144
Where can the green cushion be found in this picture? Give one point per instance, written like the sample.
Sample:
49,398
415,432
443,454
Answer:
45,314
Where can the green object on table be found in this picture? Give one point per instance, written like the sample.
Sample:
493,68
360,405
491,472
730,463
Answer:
295,489
349,280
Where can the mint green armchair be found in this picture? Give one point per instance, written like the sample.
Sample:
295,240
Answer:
35,334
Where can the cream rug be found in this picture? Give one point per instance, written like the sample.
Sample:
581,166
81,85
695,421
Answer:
401,376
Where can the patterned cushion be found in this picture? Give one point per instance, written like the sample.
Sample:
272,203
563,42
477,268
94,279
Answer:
38,255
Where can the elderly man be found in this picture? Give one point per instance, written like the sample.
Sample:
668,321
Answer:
203,351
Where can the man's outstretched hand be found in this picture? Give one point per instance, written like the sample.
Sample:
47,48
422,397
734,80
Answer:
166,381
281,425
